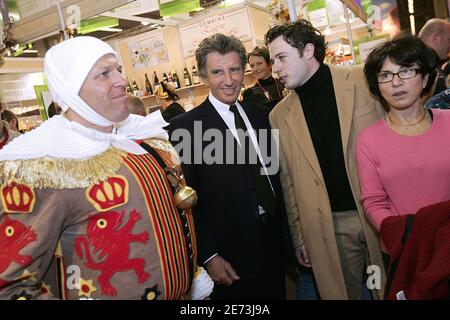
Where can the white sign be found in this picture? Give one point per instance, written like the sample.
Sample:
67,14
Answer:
137,7
366,47
236,23
319,18
150,51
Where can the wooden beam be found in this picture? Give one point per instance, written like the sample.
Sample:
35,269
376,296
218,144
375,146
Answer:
356,9
47,21
22,65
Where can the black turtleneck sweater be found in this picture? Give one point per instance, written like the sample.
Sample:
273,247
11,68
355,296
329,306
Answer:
320,109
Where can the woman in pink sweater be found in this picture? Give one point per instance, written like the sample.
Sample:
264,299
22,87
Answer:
404,159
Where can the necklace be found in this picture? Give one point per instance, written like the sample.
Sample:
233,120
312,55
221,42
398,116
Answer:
409,124
266,92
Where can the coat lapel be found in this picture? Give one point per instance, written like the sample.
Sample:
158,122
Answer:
345,100
211,118
296,122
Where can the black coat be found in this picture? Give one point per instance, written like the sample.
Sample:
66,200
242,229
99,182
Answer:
173,110
225,215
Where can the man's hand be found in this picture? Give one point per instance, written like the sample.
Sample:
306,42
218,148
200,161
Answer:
302,256
221,271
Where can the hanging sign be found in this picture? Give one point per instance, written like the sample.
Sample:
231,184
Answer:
233,22
173,7
137,7
317,11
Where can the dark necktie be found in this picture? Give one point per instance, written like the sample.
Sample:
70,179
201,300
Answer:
264,191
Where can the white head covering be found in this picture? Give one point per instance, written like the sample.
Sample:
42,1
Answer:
66,66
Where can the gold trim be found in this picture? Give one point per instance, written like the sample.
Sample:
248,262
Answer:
62,173
165,146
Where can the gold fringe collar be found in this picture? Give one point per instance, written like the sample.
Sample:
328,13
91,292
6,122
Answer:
165,146
62,173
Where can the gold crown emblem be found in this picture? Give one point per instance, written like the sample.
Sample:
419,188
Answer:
17,198
108,194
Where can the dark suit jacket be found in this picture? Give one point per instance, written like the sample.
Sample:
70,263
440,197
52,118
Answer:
225,214
172,111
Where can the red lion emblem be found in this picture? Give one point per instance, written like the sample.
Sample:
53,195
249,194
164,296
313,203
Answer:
14,236
112,244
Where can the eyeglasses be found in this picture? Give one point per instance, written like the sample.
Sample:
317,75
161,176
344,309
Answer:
402,74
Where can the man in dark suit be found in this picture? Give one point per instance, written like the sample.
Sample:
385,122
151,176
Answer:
240,208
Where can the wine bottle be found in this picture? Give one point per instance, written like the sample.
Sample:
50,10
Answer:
195,76
135,88
187,78
170,79
176,80
129,89
164,78
155,81
148,86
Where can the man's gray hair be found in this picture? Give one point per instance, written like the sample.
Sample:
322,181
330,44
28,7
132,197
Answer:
222,44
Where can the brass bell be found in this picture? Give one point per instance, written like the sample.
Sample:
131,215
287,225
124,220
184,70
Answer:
185,198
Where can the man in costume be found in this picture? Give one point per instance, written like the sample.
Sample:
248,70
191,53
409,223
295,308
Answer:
87,206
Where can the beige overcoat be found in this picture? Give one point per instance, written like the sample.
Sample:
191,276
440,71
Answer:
305,193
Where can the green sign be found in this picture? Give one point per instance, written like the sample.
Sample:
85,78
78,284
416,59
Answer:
366,4
91,25
173,7
316,4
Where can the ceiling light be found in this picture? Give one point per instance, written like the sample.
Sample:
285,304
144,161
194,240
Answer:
411,6
412,24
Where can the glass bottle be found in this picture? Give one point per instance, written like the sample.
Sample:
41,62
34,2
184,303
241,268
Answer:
176,80
187,78
135,88
148,86
195,76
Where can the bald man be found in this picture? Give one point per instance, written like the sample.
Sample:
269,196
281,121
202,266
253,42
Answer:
436,34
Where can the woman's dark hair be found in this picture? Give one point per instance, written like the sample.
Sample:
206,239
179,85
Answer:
8,115
298,34
405,50
260,52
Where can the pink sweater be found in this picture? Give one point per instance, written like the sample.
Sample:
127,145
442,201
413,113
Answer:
401,174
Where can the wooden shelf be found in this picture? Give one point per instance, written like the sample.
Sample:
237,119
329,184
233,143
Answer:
178,90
